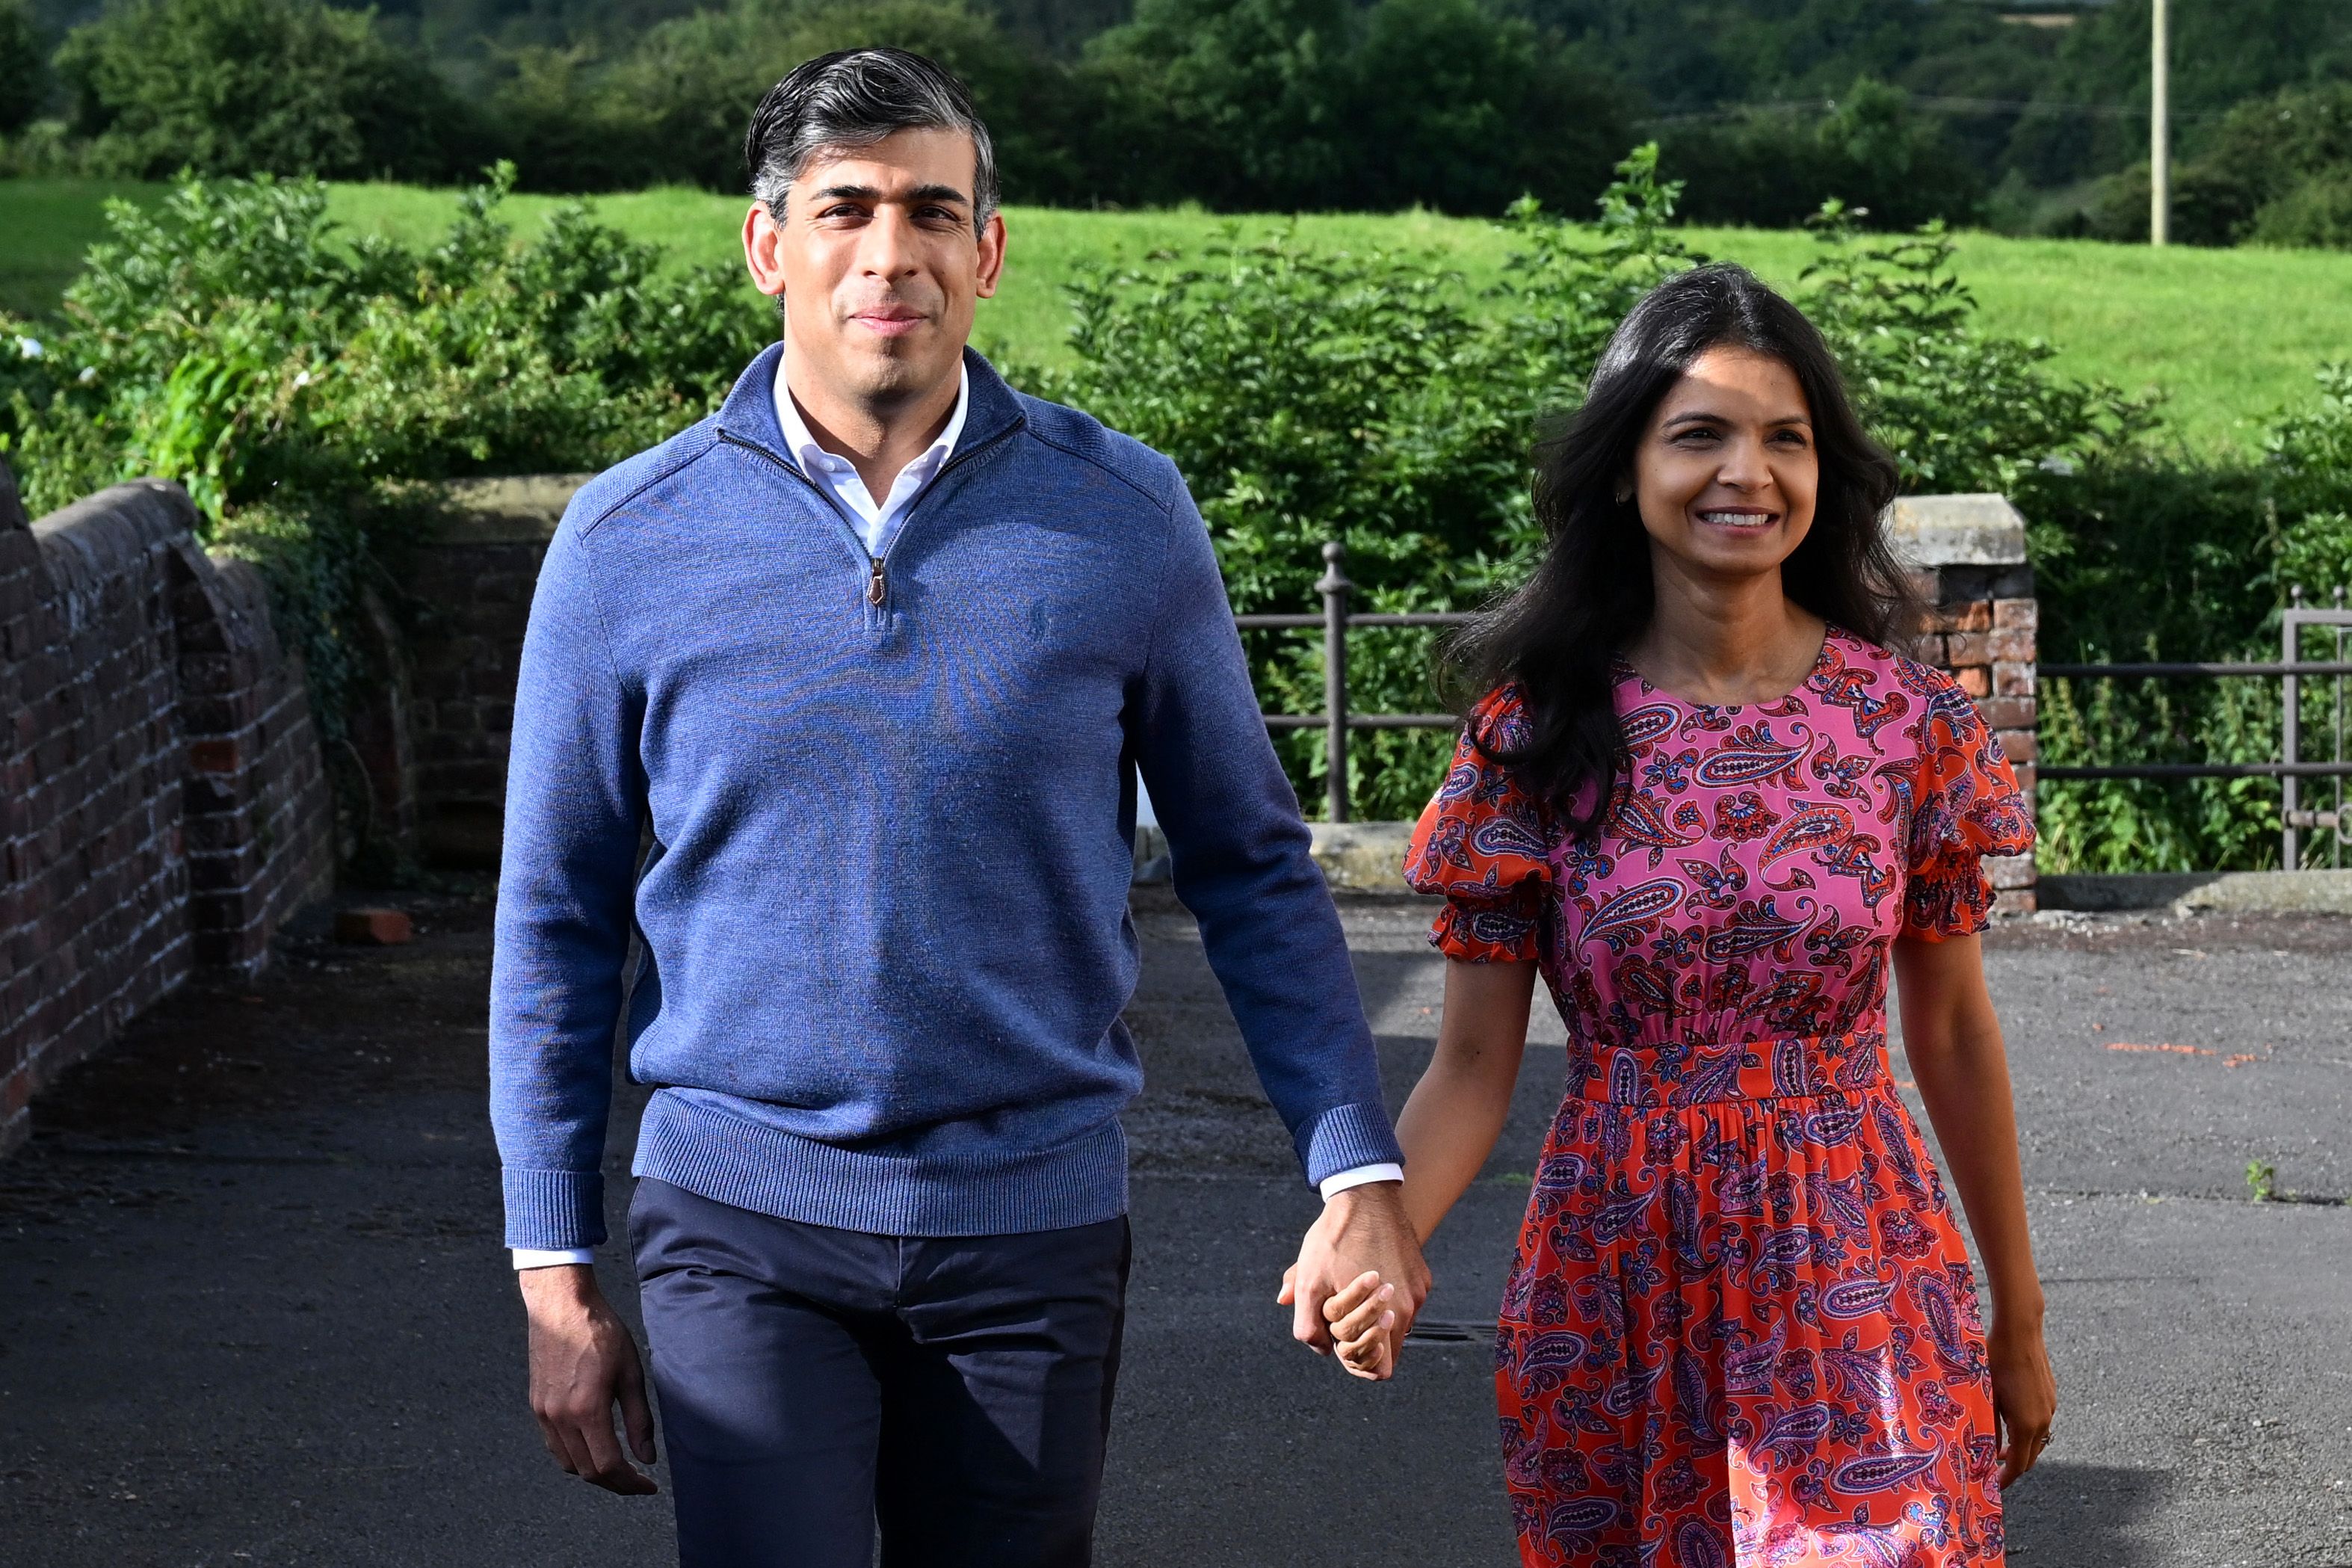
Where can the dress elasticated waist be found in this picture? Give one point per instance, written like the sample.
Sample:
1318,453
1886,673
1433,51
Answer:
1678,1073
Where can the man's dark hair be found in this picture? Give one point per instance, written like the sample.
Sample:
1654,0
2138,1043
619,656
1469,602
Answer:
854,98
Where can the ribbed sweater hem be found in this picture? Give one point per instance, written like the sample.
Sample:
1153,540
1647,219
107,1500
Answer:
767,1171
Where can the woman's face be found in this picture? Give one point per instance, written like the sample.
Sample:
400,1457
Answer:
1727,470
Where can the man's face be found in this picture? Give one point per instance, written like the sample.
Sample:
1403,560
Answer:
879,265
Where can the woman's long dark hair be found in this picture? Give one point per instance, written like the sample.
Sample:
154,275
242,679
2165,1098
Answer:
1592,595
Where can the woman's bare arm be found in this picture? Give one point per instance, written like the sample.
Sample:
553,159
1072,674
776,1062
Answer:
1450,1124
1953,1042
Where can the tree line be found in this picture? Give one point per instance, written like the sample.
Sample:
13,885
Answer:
1906,110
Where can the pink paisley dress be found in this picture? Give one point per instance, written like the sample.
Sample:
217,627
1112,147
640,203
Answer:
1740,1328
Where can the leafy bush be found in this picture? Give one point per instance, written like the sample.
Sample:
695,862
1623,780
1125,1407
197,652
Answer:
1309,397
2316,211
1378,400
295,379
1960,408
2144,554
244,86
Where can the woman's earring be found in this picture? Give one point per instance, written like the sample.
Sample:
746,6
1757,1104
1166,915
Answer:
1624,492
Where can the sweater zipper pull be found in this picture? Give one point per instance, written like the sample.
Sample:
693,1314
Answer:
875,586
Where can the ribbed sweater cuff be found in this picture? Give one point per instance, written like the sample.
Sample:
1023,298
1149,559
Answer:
552,1210
1345,1137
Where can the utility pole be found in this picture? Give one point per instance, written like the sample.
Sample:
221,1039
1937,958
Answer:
2159,125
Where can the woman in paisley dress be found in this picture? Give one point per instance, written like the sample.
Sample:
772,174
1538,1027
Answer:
1705,801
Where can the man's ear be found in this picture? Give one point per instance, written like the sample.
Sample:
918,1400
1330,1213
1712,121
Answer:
991,255
763,241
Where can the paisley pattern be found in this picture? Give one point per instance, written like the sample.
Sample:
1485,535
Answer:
1740,1331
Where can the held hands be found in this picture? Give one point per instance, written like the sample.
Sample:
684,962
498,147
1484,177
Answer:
583,1362
1358,1281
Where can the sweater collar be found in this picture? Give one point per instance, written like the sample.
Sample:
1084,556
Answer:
750,411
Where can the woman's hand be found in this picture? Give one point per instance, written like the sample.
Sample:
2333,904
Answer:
2024,1395
1363,1326
1362,1323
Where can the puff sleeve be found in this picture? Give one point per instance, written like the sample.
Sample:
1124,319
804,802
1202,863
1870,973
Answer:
1967,806
1482,844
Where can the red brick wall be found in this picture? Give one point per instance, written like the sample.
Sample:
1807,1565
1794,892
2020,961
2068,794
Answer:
163,804
470,588
1981,626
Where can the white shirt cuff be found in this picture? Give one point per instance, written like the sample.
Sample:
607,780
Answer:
1340,1181
555,1258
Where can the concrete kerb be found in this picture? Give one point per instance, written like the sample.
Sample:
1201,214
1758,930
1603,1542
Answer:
2183,893
1356,857
1362,857
2271,893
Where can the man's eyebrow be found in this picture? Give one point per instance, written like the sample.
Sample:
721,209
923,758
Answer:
868,193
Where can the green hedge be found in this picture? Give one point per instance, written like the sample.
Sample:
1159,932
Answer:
301,381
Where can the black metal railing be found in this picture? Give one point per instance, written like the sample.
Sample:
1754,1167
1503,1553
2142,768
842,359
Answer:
1335,720
2291,768
1337,621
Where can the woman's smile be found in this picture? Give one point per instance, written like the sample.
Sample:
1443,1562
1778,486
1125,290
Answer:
1740,519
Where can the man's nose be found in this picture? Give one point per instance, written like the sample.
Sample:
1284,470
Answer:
886,247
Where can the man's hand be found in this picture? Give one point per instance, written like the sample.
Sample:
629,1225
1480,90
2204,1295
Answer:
1363,1230
582,1361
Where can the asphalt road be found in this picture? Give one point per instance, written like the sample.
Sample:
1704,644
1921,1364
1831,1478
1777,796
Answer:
251,1309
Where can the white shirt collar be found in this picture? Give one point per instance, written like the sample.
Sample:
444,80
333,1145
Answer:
839,475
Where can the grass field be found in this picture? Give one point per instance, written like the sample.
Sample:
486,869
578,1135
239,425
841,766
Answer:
2230,336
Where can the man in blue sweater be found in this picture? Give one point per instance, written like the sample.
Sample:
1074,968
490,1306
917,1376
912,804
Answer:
838,700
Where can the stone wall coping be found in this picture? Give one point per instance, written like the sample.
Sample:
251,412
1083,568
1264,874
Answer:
109,533
1981,530
109,537
510,508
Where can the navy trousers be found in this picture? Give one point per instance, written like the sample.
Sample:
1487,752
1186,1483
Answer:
818,1385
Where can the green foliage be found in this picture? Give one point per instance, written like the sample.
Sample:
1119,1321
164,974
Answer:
1375,398
2144,554
2278,171
1270,105
672,104
2222,56
243,87
1309,397
24,68
2262,1180
1771,167
1961,409
1243,104
297,381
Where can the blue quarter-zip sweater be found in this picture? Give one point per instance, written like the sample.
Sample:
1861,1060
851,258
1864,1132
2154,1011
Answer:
886,810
